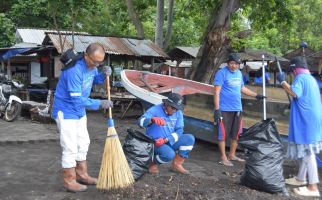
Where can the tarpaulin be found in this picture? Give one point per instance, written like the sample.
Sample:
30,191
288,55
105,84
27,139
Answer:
12,52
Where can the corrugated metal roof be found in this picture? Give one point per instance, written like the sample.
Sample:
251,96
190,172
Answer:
81,42
312,61
316,55
143,47
183,53
193,51
256,55
116,45
298,52
112,45
36,36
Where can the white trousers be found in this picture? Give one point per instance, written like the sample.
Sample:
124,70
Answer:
74,139
308,169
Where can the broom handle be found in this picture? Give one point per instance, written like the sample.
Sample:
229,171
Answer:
281,72
108,95
264,86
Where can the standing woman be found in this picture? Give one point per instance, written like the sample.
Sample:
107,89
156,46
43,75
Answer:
305,130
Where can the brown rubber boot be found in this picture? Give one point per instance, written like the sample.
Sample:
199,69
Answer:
70,181
82,175
153,168
177,165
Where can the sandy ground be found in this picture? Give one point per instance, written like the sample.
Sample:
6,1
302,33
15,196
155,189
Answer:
30,168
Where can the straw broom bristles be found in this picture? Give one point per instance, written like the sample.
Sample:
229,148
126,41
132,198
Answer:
115,171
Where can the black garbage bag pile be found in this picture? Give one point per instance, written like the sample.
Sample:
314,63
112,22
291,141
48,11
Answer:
138,149
264,155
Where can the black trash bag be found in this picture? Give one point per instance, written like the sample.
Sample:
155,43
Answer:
138,149
264,155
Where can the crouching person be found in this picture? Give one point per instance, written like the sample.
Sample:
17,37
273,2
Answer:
164,124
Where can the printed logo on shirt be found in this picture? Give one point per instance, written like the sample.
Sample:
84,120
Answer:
171,122
234,82
87,83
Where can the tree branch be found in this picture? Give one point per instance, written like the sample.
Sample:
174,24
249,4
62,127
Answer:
169,26
135,18
159,24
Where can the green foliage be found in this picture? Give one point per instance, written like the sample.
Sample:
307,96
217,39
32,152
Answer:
7,31
190,22
5,5
281,29
188,26
111,19
73,12
268,14
276,25
306,25
41,13
30,13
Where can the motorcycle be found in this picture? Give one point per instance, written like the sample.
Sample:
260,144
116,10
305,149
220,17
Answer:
10,104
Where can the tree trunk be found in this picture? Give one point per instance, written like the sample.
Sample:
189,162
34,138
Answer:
216,44
159,24
53,12
169,26
135,18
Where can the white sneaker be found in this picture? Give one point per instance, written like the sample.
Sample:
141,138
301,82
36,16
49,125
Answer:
303,191
293,181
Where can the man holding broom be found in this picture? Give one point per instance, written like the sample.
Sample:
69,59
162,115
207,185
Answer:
70,101
164,124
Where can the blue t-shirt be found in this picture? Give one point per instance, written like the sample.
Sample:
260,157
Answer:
73,90
306,111
259,80
246,78
231,84
172,129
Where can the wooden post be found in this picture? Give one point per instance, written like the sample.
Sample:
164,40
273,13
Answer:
50,99
9,69
48,67
108,60
177,67
50,72
126,64
2,66
135,67
152,65
29,74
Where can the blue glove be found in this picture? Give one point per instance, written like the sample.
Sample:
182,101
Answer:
281,77
107,70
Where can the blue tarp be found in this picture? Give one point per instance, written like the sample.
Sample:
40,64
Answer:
12,52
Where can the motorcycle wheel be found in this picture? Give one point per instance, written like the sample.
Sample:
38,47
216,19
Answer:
13,112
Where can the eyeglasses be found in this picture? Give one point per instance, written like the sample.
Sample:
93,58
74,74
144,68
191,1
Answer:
172,108
95,63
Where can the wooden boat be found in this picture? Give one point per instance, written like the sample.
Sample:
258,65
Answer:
151,88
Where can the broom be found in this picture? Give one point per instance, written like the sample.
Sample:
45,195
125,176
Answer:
115,171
